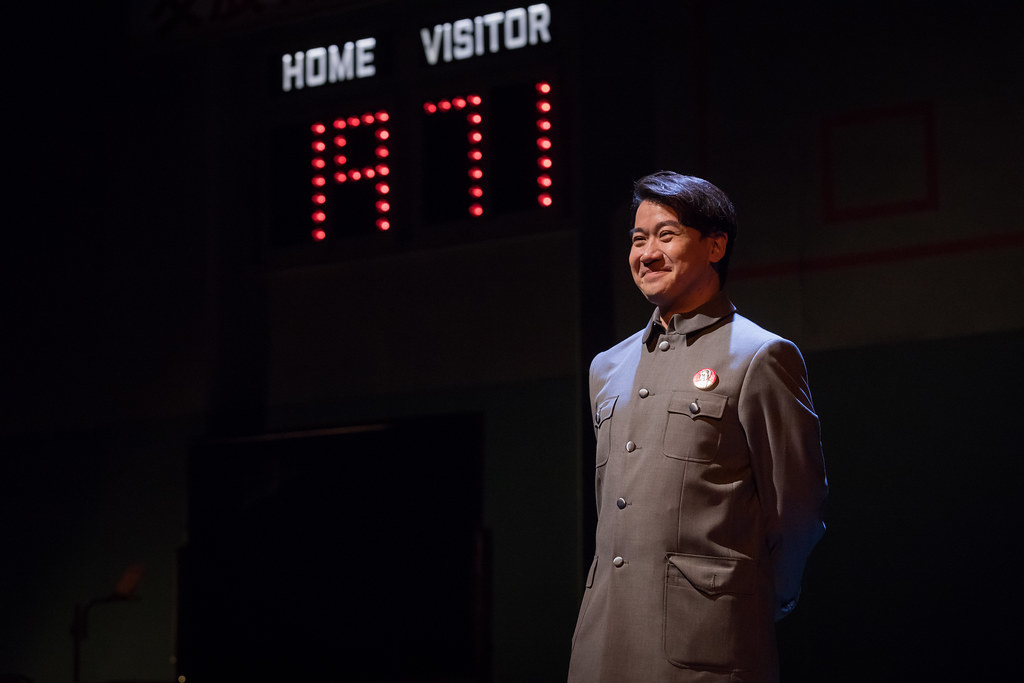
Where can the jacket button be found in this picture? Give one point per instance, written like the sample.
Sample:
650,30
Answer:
694,408
621,502
618,562
644,393
630,446
664,346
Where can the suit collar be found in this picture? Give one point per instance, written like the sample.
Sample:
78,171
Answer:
709,313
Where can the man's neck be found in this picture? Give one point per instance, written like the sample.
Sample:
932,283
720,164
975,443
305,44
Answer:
689,306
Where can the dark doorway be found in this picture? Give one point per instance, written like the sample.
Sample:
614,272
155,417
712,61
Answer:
352,554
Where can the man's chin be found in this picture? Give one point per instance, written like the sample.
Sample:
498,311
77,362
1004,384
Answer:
650,289
656,298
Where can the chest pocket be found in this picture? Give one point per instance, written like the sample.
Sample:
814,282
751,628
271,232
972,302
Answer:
603,428
693,430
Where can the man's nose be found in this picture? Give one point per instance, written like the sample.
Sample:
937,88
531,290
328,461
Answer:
650,253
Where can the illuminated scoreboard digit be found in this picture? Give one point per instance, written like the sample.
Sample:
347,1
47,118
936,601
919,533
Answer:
422,150
338,162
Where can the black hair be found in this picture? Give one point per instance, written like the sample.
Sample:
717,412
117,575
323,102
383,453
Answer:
696,203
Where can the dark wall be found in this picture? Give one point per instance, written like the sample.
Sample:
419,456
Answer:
872,151
909,581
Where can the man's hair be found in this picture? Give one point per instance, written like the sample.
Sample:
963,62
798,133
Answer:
696,203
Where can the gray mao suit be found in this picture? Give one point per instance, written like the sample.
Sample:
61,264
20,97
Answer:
710,485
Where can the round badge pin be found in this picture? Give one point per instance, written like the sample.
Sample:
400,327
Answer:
705,379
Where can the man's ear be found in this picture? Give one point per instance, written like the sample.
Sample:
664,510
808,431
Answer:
719,241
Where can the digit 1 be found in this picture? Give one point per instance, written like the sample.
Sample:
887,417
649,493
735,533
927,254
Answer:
544,162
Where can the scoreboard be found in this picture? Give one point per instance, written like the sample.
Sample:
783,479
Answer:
420,127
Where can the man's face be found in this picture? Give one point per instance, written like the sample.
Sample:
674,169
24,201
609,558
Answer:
671,263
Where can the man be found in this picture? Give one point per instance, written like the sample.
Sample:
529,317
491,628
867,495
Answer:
709,474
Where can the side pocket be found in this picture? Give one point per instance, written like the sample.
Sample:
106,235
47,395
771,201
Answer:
602,427
586,599
710,611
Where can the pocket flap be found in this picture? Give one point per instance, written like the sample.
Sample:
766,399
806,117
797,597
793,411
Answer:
604,411
590,574
708,405
714,575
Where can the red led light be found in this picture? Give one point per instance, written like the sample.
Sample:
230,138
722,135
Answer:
544,143
328,151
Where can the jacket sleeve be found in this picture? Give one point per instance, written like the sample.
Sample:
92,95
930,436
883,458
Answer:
784,439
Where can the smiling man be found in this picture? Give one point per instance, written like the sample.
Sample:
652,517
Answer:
709,475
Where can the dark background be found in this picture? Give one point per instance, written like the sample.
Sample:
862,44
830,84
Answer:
177,387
